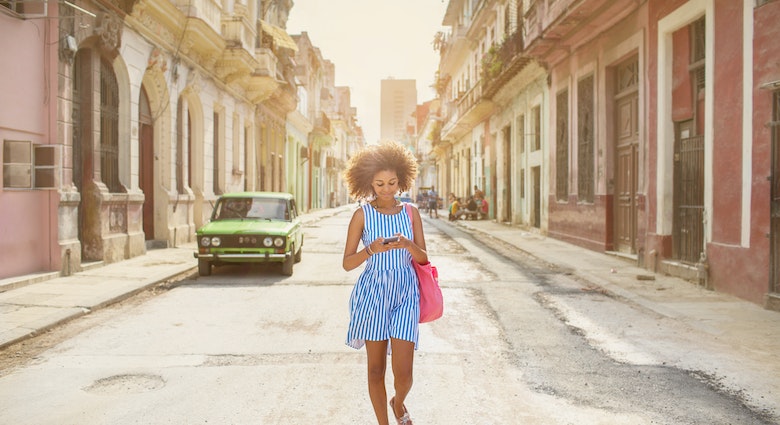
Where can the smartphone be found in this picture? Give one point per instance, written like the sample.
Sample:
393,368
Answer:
390,239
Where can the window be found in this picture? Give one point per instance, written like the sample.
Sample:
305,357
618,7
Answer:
562,146
217,170
109,128
585,122
27,8
521,132
17,164
522,182
27,165
698,52
536,116
183,147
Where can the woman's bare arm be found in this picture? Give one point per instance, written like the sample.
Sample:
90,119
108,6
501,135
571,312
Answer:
352,257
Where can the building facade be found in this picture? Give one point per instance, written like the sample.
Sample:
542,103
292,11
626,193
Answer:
398,101
30,154
712,123
644,129
150,110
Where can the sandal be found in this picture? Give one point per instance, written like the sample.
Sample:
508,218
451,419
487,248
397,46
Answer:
403,420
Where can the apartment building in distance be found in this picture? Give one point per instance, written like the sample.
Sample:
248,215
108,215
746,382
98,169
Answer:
398,103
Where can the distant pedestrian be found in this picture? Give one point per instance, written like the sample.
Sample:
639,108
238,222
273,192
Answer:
385,302
433,203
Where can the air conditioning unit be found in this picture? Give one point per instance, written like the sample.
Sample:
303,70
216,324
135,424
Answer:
27,9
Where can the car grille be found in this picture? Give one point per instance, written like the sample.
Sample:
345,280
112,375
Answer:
242,240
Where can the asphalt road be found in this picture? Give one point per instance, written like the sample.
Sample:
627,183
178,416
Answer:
520,343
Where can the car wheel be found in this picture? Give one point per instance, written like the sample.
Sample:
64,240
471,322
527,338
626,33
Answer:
287,266
204,267
298,255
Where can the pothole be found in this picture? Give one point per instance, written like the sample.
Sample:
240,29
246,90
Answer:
126,384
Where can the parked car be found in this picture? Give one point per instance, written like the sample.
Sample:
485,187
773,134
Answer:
251,227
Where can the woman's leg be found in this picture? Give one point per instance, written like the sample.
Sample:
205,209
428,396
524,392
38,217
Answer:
403,362
376,352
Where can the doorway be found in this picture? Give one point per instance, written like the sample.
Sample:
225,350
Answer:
506,214
626,100
146,163
688,227
775,194
536,177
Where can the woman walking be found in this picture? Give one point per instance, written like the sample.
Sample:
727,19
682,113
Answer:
385,302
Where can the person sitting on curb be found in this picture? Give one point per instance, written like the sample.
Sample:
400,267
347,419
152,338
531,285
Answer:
455,209
471,208
483,209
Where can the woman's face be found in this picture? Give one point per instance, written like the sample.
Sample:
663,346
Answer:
385,184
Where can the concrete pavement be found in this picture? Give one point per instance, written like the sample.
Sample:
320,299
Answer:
723,316
35,303
30,305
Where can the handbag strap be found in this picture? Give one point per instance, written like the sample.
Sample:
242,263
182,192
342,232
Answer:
408,209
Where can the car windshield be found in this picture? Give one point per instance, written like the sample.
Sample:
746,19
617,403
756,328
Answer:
251,208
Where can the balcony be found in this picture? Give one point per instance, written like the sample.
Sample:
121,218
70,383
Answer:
553,27
454,49
285,97
203,26
239,33
235,66
320,135
501,64
470,109
208,11
322,124
263,82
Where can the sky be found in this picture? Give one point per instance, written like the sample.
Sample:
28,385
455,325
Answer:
371,40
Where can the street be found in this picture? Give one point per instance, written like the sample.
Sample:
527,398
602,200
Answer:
520,343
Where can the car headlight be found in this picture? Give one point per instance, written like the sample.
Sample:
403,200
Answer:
205,241
279,242
216,241
268,241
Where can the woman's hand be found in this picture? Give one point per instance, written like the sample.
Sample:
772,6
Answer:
386,244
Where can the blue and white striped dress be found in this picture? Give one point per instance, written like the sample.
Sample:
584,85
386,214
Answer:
385,301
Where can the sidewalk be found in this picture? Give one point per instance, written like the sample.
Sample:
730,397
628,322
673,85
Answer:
722,316
35,303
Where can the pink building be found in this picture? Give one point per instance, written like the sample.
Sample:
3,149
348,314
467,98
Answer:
664,119
714,73
28,132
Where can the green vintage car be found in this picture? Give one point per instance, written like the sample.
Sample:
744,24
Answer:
251,227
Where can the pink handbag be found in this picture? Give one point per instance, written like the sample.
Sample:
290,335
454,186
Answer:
431,300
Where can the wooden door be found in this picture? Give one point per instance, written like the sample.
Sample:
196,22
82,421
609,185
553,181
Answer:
626,155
